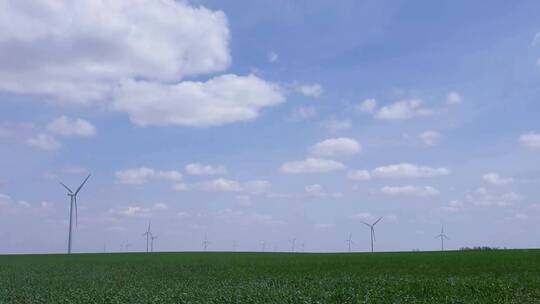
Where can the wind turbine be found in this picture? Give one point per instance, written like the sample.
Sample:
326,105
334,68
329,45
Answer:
73,203
349,241
152,238
205,243
234,245
127,245
293,244
442,236
147,234
263,245
302,246
372,227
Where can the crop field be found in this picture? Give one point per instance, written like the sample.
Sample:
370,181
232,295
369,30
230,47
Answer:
449,277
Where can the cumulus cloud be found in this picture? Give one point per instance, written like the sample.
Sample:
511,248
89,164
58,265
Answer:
454,98
359,175
311,165
160,206
408,170
136,176
201,169
410,191
218,101
496,180
44,142
131,211
139,176
310,90
363,216
486,198
66,126
403,110
336,147
132,56
530,139
430,138
215,185
77,52
169,175
367,106
335,125
317,190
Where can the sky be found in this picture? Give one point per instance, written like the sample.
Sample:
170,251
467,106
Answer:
256,123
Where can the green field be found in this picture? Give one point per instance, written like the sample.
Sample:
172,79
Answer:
450,277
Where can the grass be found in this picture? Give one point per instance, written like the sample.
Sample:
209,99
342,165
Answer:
450,277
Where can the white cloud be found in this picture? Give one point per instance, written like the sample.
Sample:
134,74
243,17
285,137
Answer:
402,110
311,165
272,57
410,191
44,142
131,211
336,147
216,185
531,140
66,126
408,170
169,175
302,113
496,180
218,101
335,125
139,176
310,90
136,176
363,216
160,206
430,138
359,175
485,198
317,190
78,51
368,106
201,169
454,98
453,206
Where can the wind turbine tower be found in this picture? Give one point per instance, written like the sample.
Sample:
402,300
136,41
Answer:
205,243
152,238
73,205
148,234
442,236
293,244
263,245
349,241
372,228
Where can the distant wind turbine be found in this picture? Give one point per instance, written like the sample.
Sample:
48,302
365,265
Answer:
302,246
152,238
349,241
293,244
147,234
442,236
234,245
205,243
372,228
263,245
127,245
73,203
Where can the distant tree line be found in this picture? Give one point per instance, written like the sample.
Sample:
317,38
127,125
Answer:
481,248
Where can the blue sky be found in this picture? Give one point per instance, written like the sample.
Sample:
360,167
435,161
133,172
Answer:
255,121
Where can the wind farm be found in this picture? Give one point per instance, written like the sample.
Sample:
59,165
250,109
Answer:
269,152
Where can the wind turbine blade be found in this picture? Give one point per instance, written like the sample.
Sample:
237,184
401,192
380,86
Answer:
365,224
67,188
446,237
377,221
84,182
